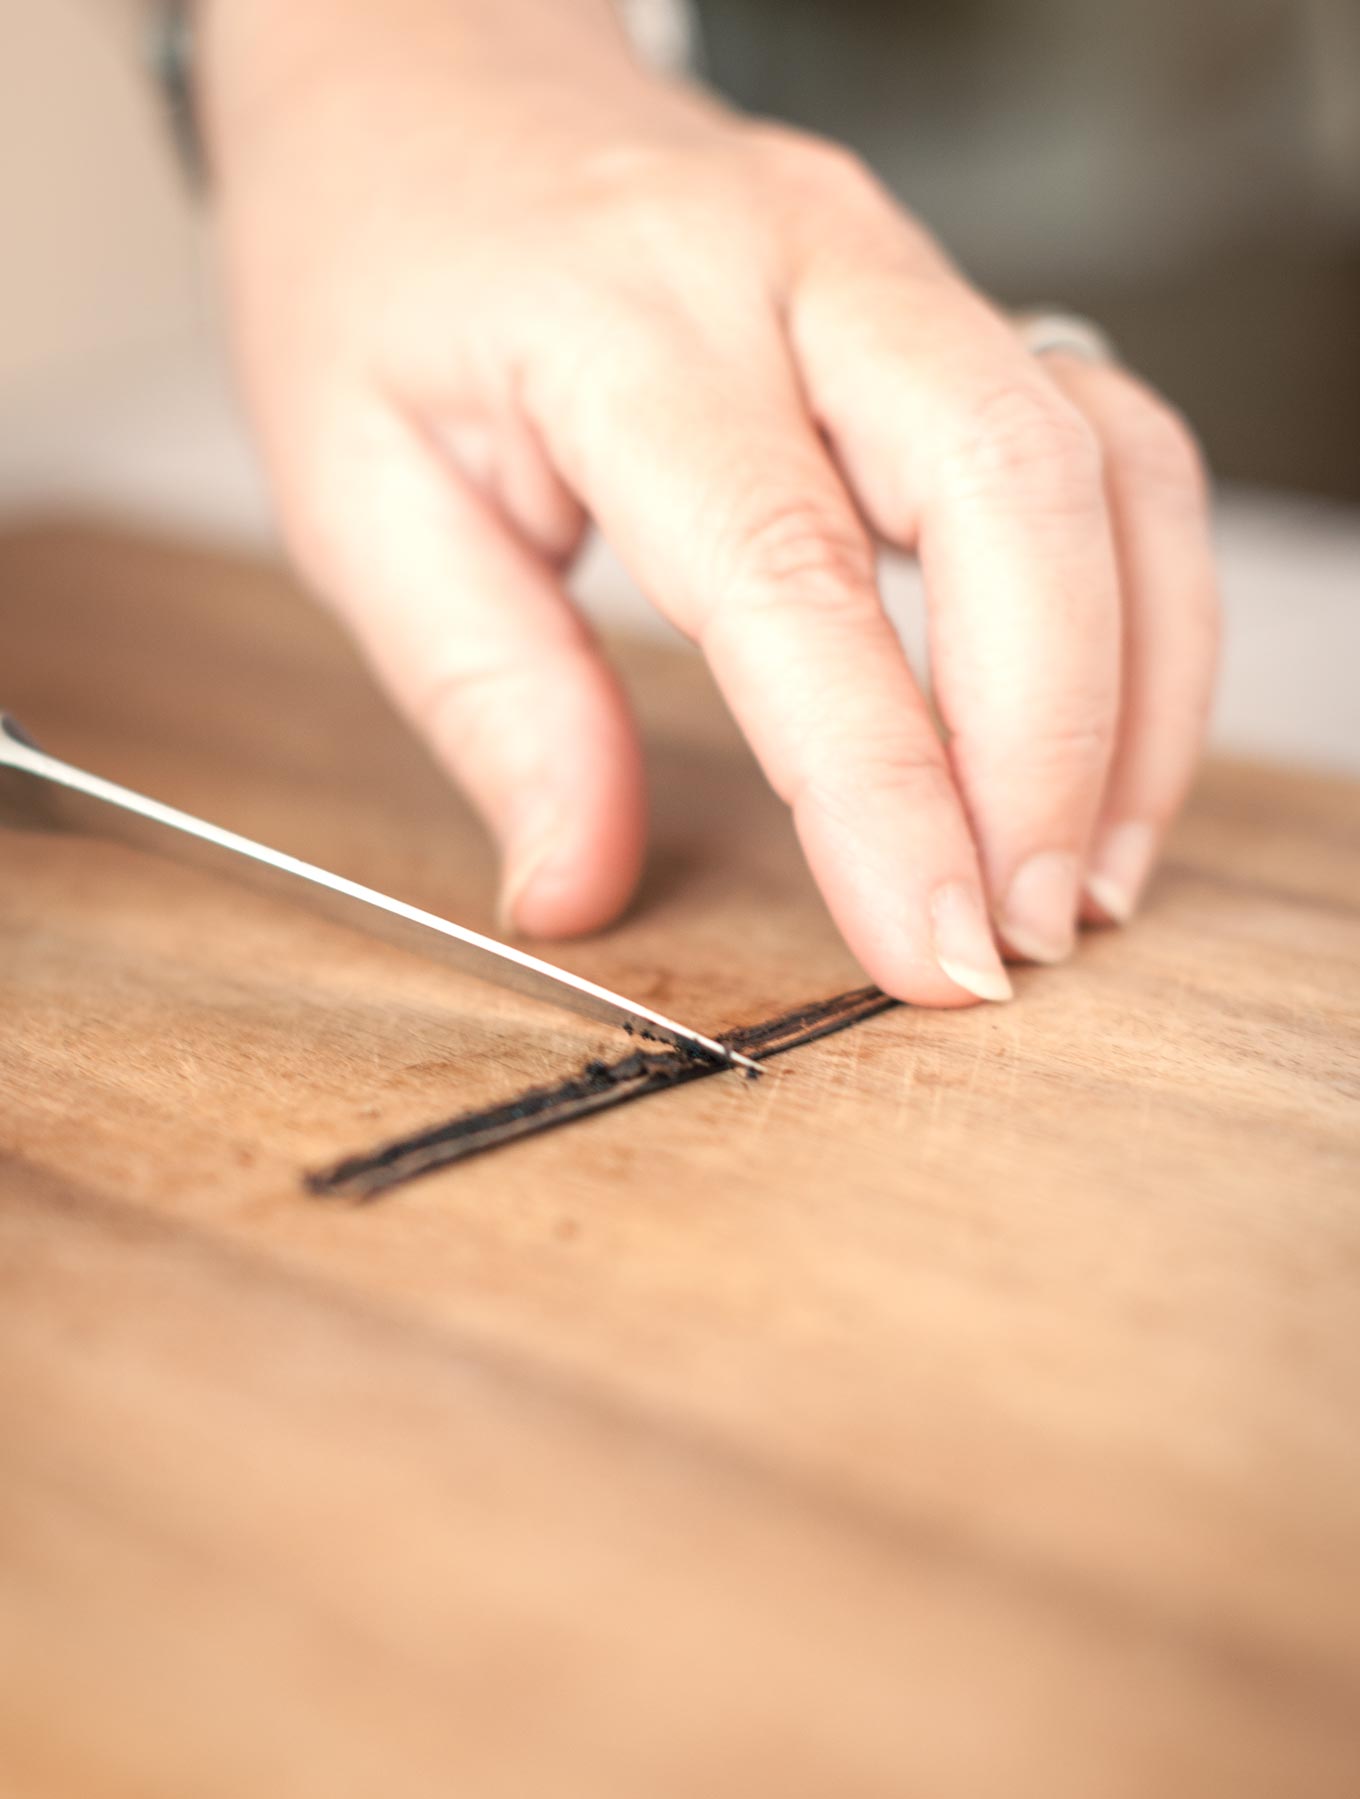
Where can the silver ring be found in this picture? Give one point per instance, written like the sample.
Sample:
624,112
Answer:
1066,333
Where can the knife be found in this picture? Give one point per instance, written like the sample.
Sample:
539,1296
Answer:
37,791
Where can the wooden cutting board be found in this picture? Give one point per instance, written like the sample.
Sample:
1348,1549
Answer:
969,1407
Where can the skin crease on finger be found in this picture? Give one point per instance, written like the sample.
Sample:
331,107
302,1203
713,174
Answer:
488,276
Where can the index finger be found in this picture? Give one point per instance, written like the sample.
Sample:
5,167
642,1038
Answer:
962,447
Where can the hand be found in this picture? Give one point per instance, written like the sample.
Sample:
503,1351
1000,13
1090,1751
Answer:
488,277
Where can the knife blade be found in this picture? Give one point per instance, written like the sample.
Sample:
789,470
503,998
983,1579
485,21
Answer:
38,791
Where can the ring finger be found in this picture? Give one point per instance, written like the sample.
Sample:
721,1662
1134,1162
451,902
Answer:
1158,508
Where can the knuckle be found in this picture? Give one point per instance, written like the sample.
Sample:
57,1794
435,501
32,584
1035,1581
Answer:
851,767
804,554
816,163
630,181
1155,447
1016,439
651,202
1081,742
581,382
618,335
1063,747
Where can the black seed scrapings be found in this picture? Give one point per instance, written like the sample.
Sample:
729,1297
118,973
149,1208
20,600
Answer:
598,1086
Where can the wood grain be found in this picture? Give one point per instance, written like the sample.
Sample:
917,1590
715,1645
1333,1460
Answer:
970,1407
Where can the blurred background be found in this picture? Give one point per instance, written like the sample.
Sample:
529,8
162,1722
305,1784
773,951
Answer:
1185,171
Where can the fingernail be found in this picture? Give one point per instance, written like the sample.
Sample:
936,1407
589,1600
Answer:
964,946
1119,869
1039,917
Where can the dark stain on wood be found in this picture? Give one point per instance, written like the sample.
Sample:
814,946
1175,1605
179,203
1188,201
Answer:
595,1088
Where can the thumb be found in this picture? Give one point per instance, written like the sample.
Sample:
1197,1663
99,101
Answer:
471,633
